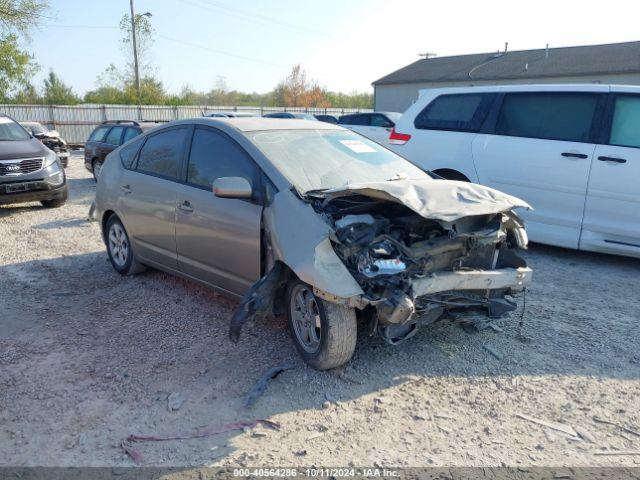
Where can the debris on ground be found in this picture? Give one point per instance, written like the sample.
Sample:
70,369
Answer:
133,453
493,352
585,435
619,452
261,385
553,425
174,401
621,427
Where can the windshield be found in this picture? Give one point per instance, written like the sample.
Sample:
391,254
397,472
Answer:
324,159
11,131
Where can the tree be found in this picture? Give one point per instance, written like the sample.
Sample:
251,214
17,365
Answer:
56,92
17,18
144,42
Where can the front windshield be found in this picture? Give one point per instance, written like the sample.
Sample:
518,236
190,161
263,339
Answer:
324,159
11,131
34,127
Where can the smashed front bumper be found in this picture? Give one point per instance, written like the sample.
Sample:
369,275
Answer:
504,278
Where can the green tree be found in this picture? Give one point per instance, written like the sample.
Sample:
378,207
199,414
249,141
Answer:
17,18
56,92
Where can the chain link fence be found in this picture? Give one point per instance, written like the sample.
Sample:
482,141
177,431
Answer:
76,122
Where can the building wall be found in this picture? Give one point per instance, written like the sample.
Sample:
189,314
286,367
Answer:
398,97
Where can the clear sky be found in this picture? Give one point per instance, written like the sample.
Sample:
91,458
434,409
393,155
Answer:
344,44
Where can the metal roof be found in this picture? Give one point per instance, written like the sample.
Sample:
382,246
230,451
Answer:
522,64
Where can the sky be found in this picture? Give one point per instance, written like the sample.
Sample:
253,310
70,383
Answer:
343,44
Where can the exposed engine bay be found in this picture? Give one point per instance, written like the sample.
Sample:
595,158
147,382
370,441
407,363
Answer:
390,250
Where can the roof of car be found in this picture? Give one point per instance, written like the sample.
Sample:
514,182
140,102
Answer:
252,124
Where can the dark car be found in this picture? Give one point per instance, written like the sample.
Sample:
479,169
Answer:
298,115
327,119
107,137
29,171
50,138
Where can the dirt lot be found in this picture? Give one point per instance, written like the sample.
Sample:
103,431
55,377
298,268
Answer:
88,357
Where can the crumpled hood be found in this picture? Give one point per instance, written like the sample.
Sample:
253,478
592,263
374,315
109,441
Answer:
445,200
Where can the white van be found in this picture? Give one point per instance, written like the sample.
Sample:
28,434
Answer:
571,151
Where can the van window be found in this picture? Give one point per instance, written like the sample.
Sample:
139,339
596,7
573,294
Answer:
459,112
550,116
625,129
160,155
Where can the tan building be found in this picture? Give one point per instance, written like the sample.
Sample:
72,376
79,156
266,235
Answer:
617,63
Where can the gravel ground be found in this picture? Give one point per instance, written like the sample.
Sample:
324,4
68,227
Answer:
88,357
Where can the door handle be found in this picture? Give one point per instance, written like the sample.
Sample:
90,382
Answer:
612,159
186,206
126,189
574,155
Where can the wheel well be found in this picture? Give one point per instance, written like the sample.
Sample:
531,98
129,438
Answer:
450,174
105,218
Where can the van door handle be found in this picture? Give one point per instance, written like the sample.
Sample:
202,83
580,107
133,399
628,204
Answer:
612,159
574,155
186,206
126,189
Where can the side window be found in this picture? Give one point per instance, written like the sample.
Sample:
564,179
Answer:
114,135
130,133
128,153
99,134
213,155
551,116
357,119
161,153
460,112
625,128
378,120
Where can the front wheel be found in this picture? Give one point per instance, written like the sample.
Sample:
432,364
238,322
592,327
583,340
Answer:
119,248
324,333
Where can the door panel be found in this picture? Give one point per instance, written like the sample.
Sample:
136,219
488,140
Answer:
612,211
148,204
218,239
537,172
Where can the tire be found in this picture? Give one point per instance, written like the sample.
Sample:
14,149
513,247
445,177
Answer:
119,248
96,166
337,328
55,202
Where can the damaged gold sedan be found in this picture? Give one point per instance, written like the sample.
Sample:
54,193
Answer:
315,222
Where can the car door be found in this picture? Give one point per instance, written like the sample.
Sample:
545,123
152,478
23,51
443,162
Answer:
218,239
612,211
539,149
149,196
379,128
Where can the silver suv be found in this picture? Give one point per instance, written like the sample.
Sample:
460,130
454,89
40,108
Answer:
29,171
313,221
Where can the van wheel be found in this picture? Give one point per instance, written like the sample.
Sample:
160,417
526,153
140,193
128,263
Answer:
96,167
119,248
324,333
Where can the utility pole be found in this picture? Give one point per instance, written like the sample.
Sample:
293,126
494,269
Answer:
135,50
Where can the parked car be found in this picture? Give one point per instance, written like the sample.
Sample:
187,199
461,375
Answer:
571,151
107,137
311,220
50,138
230,114
327,118
29,171
375,126
299,115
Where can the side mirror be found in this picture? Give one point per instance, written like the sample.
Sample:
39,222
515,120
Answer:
232,187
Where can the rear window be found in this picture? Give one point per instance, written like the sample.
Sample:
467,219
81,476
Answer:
358,119
550,116
458,112
98,134
625,129
130,133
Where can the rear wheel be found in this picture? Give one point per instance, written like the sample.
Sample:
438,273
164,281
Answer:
324,333
96,166
119,248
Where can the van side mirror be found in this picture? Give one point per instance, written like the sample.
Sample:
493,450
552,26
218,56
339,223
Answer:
232,187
